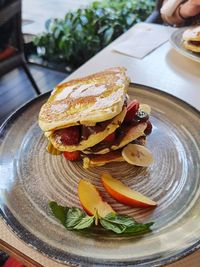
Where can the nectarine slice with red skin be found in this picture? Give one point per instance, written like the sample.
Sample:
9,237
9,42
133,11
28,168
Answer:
91,200
124,194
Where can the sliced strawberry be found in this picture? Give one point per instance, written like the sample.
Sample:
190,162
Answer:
110,137
11,262
73,156
70,135
132,108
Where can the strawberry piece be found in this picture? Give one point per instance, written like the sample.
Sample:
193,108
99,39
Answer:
148,130
132,108
73,156
110,137
70,135
11,262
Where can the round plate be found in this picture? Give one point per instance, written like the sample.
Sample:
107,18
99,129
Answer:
177,43
30,178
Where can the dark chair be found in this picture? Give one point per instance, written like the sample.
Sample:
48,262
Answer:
155,16
11,23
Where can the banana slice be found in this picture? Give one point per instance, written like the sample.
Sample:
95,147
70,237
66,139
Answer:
146,108
137,155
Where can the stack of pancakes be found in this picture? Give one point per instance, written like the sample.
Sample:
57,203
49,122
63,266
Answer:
191,39
89,115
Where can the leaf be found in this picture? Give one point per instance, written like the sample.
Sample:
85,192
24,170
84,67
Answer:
120,219
102,21
108,35
85,222
48,23
58,211
73,217
139,228
124,224
117,228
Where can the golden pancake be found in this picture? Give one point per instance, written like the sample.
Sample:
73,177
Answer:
192,34
132,134
95,98
190,45
92,140
100,160
112,156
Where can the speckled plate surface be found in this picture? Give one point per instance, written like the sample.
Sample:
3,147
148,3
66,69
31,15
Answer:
30,178
177,43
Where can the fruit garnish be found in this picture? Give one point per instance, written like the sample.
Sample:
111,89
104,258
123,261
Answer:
141,116
132,108
124,194
110,138
146,108
137,155
70,135
76,219
73,156
91,200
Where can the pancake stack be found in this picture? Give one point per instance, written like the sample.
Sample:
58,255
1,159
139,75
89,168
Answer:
191,39
90,118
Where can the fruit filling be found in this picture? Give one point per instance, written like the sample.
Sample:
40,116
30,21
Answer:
120,133
75,134
197,43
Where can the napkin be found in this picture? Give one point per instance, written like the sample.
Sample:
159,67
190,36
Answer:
143,38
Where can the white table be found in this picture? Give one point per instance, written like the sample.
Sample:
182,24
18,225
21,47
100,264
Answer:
164,69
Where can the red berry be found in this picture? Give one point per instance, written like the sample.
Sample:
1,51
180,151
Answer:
132,108
110,137
70,135
73,156
148,130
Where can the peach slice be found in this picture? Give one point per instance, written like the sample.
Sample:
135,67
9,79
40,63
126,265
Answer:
91,200
124,194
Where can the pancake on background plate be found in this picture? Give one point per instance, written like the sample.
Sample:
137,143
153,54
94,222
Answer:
89,118
191,39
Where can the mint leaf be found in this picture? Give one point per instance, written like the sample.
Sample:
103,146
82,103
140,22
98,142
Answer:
85,222
76,219
58,211
117,228
139,228
124,224
73,217
120,219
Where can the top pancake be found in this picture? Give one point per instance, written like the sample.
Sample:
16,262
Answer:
87,100
192,34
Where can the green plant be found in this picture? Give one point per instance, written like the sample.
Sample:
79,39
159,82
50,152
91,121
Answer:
84,32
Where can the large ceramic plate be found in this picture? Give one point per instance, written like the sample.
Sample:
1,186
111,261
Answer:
30,178
177,43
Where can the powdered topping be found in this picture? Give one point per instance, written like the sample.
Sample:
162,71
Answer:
105,102
83,90
59,108
65,92
88,90
119,81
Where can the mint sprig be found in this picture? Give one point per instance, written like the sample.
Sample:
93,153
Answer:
76,219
